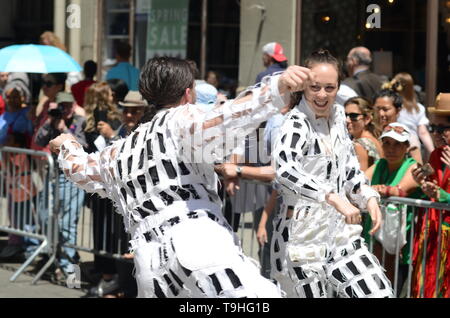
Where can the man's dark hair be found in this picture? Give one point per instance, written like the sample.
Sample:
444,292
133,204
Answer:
90,69
322,56
164,80
123,50
396,98
119,88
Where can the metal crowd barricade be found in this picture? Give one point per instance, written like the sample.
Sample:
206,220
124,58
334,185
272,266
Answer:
244,216
415,204
26,201
250,245
100,229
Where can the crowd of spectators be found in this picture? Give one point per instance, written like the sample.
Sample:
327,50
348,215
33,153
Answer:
388,125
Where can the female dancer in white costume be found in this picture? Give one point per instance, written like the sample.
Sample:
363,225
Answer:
321,183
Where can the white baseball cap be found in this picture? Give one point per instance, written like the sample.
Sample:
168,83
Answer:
396,131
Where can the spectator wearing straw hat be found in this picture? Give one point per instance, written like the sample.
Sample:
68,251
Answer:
133,110
273,59
435,182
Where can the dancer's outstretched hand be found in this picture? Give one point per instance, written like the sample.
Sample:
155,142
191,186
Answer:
56,143
375,214
294,79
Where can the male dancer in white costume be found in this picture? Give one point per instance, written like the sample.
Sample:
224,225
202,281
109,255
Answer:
168,198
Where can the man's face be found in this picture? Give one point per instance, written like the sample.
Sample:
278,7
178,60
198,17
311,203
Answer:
350,63
441,130
3,78
266,59
67,109
132,115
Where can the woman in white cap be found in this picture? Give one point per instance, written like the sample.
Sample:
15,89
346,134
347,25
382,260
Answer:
392,176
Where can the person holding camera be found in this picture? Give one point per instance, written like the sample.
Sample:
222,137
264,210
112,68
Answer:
63,120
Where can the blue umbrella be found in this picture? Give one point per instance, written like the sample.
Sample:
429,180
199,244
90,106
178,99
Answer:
32,58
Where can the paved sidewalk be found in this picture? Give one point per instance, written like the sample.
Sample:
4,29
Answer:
22,288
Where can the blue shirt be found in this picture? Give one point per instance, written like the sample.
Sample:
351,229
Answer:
126,72
269,71
272,130
17,121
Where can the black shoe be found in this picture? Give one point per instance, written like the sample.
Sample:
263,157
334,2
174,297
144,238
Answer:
105,287
11,252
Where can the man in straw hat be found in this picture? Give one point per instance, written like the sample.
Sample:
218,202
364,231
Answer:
133,109
435,182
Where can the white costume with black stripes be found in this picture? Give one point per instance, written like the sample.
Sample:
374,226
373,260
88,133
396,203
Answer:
314,157
167,194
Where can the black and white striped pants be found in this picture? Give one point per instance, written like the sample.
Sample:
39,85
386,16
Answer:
197,258
350,271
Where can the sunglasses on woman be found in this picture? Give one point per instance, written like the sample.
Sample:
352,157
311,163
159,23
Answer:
438,128
353,116
397,129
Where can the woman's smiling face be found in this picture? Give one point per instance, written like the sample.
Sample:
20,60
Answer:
387,112
321,92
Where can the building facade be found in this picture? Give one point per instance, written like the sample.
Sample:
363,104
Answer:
227,35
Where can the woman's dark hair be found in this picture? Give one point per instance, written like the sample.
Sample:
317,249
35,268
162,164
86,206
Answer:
58,78
119,88
322,56
163,81
397,100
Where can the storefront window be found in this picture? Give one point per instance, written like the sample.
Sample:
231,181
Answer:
223,23
400,39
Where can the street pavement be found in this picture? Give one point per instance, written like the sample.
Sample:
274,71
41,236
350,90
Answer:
22,287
